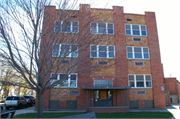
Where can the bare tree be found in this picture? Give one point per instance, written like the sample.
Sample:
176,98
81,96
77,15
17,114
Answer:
29,48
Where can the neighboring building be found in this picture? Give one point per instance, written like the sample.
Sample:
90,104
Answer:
130,41
173,87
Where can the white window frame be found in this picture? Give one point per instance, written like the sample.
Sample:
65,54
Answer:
133,53
107,51
139,30
71,27
70,51
106,29
69,80
144,80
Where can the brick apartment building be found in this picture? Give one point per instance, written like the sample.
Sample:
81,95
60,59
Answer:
172,87
130,41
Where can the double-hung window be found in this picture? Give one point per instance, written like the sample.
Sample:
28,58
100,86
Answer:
66,26
102,51
137,52
140,81
135,30
64,50
102,28
64,80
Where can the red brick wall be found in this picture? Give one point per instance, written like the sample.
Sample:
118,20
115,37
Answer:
48,26
156,66
171,85
120,44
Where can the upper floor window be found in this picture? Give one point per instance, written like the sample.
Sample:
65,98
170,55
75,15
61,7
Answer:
135,30
102,28
137,52
64,80
140,81
102,51
66,26
64,50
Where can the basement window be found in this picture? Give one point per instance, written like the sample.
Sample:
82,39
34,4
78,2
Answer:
136,39
74,92
65,61
140,92
139,63
103,63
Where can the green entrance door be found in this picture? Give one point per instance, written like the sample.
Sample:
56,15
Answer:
103,98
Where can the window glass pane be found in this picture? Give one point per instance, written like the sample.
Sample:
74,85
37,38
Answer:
102,54
128,32
54,76
127,26
148,84
93,48
110,28
143,28
143,33
111,51
73,77
102,28
66,26
146,53
145,50
139,63
139,81
148,77
65,50
93,54
131,84
139,78
93,51
137,52
130,55
64,79
131,77
75,27
73,80
55,50
102,51
111,48
102,48
111,54
135,29
74,50
93,28
136,39
137,49
129,49
57,23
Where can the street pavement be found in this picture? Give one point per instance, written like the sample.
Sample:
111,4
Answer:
174,109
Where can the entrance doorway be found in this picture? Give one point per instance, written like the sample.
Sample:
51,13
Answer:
103,98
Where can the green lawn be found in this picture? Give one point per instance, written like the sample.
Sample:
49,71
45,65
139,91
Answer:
135,115
46,115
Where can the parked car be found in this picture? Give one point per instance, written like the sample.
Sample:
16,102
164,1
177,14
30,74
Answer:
2,107
30,99
15,101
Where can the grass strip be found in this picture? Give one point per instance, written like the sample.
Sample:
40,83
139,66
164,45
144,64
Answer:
47,115
135,115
